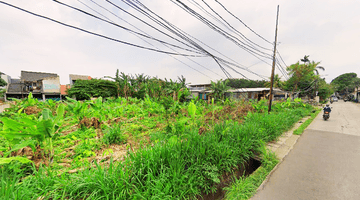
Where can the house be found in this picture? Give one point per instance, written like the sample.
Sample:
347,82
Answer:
197,90
63,90
74,78
248,93
41,85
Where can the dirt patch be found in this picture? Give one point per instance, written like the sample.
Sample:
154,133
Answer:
90,122
30,110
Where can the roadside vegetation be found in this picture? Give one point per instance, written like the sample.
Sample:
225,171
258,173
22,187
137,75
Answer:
137,137
128,148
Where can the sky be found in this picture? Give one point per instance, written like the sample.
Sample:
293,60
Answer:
326,30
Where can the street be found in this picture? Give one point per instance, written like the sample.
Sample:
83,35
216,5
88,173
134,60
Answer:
324,163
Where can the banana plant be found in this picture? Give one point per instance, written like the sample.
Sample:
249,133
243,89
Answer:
44,129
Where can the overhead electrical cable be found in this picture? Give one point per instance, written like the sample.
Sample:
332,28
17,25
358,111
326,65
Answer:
135,7
147,41
96,34
228,36
122,27
226,24
243,22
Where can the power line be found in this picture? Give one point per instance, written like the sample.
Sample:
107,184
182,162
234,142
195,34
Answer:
156,47
96,34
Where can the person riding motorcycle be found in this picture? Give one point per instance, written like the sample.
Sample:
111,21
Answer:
327,108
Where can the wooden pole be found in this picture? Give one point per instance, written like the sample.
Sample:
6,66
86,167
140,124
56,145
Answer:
273,64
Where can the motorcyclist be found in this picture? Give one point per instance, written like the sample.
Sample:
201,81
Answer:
327,108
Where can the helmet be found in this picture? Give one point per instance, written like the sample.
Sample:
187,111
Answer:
327,105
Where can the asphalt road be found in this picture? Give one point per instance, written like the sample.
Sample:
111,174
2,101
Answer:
324,163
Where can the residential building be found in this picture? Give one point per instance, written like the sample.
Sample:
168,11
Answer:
74,78
41,85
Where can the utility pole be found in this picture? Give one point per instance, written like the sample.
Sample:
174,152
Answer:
273,64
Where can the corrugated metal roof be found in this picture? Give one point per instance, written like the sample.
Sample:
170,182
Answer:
253,90
35,76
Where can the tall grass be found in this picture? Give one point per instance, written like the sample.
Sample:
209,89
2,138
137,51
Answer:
182,166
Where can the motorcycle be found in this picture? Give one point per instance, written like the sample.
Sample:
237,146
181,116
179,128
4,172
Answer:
326,115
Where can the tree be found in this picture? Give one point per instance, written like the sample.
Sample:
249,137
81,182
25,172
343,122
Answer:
245,83
303,77
219,88
277,82
345,83
2,81
85,89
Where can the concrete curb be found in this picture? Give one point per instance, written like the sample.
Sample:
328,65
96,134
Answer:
282,147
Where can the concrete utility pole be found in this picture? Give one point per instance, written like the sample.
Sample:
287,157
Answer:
273,64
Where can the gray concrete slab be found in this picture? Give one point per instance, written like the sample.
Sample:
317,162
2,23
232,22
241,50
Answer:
323,164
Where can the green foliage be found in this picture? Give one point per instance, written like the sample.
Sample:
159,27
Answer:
114,135
245,83
245,187
219,88
180,161
85,89
2,92
2,81
304,125
345,83
192,109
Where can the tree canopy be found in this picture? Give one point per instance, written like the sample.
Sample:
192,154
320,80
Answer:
345,83
245,83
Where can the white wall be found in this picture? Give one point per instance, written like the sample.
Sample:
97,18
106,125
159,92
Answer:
51,85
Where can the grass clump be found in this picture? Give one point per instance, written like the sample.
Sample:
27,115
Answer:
114,135
304,125
245,187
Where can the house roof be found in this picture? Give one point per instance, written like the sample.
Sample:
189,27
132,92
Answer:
15,81
199,84
35,76
246,90
15,88
79,77
253,90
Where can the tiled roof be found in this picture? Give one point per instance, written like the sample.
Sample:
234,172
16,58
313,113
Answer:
35,76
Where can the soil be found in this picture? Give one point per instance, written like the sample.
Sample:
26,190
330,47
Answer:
90,122
30,110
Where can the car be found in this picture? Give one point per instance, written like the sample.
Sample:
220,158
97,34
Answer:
335,99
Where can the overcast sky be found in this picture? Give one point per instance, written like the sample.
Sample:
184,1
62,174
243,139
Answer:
327,30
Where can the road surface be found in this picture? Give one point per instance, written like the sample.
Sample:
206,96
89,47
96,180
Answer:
324,163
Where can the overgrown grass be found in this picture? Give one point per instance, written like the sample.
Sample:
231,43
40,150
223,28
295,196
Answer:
245,187
304,125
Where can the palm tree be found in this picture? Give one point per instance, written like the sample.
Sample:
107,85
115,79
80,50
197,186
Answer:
219,88
277,82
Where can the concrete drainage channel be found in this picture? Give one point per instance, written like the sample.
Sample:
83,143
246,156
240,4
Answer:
246,169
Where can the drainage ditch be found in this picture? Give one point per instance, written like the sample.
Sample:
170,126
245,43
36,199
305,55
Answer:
245,169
